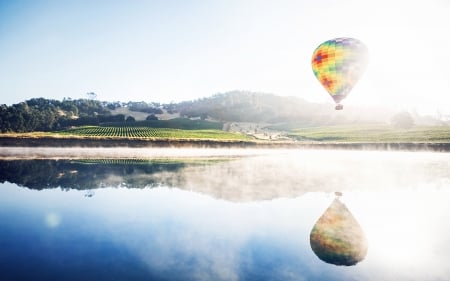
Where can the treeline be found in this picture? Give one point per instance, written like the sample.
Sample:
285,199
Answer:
40,114
150,108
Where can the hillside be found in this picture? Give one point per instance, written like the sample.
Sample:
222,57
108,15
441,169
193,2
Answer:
241,110
244,106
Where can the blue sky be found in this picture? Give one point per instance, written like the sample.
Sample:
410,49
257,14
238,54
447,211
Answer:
182,50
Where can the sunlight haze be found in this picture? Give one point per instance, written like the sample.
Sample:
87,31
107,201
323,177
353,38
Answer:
167,51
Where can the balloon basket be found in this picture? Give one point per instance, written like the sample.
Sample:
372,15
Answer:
339,107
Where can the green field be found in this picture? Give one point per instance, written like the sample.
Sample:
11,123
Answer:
150,133
367,133
373,133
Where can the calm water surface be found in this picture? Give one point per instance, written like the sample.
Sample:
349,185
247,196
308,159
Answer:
226,217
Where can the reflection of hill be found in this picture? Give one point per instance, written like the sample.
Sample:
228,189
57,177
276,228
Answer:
251,178
228,178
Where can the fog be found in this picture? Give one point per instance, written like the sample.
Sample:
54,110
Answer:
175,151
123,152
253,174
293,173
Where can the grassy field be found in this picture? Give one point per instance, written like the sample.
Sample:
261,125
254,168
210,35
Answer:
373,133
150,133
333,134
367,133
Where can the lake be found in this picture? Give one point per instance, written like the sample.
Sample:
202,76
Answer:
218,214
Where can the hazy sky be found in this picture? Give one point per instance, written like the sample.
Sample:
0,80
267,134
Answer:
182,50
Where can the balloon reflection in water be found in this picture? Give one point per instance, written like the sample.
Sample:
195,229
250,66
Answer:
337,237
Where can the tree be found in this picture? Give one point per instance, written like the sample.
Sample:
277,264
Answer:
151,117
91,95
130,119
402,120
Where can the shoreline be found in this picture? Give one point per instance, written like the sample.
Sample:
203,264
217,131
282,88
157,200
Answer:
90,142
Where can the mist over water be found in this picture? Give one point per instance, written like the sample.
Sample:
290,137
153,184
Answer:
122,152
221,215
296,172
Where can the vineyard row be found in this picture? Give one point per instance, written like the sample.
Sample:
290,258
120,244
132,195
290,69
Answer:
145,132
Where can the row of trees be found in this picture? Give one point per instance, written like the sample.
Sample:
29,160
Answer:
41,114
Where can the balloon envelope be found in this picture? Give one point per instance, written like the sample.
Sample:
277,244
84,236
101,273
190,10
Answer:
338,64
337,237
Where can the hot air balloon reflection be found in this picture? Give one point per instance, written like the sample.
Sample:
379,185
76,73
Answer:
337,237
338,64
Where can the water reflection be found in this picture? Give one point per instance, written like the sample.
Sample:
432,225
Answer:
240,179
337,237
85,174
244,218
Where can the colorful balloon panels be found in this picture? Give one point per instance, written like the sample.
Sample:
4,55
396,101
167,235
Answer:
338,64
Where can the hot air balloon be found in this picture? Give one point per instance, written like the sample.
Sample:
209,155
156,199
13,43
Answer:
337,237
338,64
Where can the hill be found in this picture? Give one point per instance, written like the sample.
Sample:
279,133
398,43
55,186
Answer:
257,109
244,106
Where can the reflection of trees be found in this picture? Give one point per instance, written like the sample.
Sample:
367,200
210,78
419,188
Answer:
43,174
229,178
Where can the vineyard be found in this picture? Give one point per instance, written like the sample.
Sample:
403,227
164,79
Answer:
150,133
373,133
153,161
176,123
